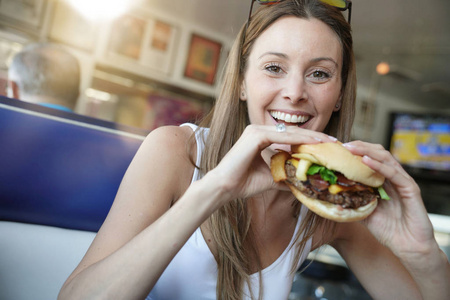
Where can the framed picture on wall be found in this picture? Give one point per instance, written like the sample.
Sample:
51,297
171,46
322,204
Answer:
164,110
203,59
26,13
126,38
161,36
159,46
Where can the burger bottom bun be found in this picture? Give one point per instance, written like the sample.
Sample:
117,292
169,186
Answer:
332,211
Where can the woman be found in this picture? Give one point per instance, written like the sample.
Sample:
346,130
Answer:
225,230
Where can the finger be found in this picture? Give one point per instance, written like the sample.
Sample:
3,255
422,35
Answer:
363,148
293,132
374,151
293,135
256,138
395,174
382,161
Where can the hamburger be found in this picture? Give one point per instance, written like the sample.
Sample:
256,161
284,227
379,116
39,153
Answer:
330,180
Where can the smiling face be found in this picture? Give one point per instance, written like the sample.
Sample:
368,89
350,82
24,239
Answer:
293,74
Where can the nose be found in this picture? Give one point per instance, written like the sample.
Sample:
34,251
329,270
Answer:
294,89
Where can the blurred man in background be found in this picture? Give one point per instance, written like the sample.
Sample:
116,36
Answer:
45,74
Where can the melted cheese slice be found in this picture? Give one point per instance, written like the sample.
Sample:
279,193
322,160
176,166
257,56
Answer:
335,188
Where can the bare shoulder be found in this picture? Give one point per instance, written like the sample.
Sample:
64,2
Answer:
171,134
158,175
169,138
168,153
160,171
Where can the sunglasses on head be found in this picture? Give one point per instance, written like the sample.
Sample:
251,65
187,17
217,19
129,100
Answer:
342,5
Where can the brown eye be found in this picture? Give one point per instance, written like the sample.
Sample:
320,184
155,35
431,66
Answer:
274,69
320,74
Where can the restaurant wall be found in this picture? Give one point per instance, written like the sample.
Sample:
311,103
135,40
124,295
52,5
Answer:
143,50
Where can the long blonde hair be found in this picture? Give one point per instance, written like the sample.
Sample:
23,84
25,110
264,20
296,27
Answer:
231,225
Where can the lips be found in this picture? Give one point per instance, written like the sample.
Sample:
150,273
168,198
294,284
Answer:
289,118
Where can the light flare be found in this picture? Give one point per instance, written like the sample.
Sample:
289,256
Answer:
98,10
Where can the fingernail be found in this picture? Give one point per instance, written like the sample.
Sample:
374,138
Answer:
367,157
347,145
317,139
332,138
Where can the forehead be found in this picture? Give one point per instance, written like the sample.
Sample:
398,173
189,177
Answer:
298,35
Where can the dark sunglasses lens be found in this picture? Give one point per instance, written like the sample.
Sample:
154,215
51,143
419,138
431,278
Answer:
336,3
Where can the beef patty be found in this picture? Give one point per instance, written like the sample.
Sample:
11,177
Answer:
315,187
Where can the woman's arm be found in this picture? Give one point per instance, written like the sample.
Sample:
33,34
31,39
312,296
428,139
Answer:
399,237
376,267
143,232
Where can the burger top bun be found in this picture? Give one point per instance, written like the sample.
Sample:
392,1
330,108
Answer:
332,211
336,157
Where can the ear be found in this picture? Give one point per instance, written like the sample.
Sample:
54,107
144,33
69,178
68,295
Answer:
243,93
338,104
13,90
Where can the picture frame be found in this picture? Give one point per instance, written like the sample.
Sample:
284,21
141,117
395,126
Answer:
23,13
127,36
72,28
203,59
165,109
160,38
159,46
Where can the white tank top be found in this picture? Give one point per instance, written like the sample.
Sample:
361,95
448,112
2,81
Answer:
192,274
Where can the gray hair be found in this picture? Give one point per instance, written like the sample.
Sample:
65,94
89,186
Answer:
44,69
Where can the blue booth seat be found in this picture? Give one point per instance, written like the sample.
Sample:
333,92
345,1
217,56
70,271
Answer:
60,169
59,174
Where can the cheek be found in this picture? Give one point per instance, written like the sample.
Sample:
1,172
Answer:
327,99
324,104
258,100
256,111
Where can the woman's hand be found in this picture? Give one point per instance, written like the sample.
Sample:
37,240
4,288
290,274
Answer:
244,172
401,223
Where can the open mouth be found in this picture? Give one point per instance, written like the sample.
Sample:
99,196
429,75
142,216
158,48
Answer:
289,118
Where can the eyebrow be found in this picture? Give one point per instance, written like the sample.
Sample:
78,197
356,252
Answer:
325,59
317,59
279,54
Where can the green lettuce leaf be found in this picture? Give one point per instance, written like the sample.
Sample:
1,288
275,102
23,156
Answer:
383,193
325,173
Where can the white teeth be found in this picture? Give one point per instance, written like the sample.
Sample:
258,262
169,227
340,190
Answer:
288,118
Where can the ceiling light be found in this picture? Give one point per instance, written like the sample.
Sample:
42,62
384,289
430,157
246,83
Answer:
383,68
100,9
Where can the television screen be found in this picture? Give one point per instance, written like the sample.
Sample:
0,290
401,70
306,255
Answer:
421,143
